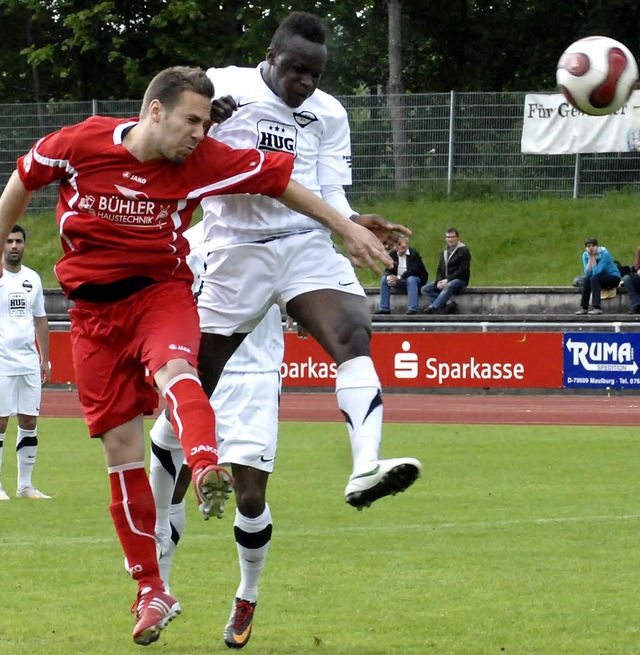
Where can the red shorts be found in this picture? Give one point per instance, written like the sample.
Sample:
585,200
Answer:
113,343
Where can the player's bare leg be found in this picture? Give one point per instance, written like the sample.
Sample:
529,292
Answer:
341,323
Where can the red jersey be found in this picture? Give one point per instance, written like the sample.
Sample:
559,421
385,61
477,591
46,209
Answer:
120,217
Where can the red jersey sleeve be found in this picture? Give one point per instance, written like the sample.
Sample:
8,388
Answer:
47,161
226,170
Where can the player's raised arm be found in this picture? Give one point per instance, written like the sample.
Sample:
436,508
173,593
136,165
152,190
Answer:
13,202
362,245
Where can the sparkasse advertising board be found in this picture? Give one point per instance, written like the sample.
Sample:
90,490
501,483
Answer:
485,360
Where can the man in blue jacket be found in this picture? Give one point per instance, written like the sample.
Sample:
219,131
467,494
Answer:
600,273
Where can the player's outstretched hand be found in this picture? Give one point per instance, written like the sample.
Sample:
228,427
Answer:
222,108
388,233
364,248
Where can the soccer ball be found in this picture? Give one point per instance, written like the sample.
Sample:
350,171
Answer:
596,75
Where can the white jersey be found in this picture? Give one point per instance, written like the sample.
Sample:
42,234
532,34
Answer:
317,133
263,349
21,298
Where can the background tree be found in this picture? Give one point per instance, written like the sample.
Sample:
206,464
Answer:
80,49
395,90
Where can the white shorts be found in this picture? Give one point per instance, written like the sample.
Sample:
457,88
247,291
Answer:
243,280
246,407
20,394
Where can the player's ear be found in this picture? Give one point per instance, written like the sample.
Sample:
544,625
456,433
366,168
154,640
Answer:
155,107
271,56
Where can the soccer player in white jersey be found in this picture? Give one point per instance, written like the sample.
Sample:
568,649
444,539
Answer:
246,402
23,369
259,252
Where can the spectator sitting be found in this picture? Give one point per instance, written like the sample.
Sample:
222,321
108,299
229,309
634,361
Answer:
453,274
600,272
407,275
631,283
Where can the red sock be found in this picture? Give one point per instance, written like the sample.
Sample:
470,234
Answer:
134,517
193,420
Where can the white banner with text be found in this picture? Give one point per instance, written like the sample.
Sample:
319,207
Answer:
552,126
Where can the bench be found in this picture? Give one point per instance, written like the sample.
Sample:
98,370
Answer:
507,303
475,304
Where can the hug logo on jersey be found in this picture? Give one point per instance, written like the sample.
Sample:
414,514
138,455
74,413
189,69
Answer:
277,137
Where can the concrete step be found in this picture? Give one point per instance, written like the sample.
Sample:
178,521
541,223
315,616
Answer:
509,301
474,304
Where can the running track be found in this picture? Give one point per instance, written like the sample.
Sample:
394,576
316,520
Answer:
438,408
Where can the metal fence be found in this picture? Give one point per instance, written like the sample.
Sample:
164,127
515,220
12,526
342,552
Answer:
460,144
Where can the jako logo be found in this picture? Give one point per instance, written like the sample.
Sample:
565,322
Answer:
600,355
175,346
204,449
130,176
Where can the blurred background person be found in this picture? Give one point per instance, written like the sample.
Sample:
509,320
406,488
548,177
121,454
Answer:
453,274
23,369
407,275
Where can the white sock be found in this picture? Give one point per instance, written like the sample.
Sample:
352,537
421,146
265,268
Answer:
253,537
359,399
2,435
167,458
178,521
26,449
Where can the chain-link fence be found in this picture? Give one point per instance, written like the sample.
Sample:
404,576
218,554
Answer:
465,144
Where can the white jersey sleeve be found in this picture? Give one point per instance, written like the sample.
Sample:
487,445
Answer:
21,298
316,133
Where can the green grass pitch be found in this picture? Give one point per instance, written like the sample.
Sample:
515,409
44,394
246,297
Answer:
520,540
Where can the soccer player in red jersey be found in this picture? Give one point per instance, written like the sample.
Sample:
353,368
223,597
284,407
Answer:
128,189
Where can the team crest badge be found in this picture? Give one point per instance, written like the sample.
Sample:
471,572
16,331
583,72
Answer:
303,118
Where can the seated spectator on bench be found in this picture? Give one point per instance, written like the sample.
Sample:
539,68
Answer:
631,283
601,273
407,275
454,272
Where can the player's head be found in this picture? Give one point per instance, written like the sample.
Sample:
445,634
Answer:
296,58
168,86
177,109
14,247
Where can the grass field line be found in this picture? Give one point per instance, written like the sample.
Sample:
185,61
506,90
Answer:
219,535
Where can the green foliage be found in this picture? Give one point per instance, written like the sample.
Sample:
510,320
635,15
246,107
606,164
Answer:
111,49
513,243
516,540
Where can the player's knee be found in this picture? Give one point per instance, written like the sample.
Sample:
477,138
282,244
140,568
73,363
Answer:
250,502
27,422
354,337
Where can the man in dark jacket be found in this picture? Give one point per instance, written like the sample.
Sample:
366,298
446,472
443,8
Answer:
407,275
454,271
